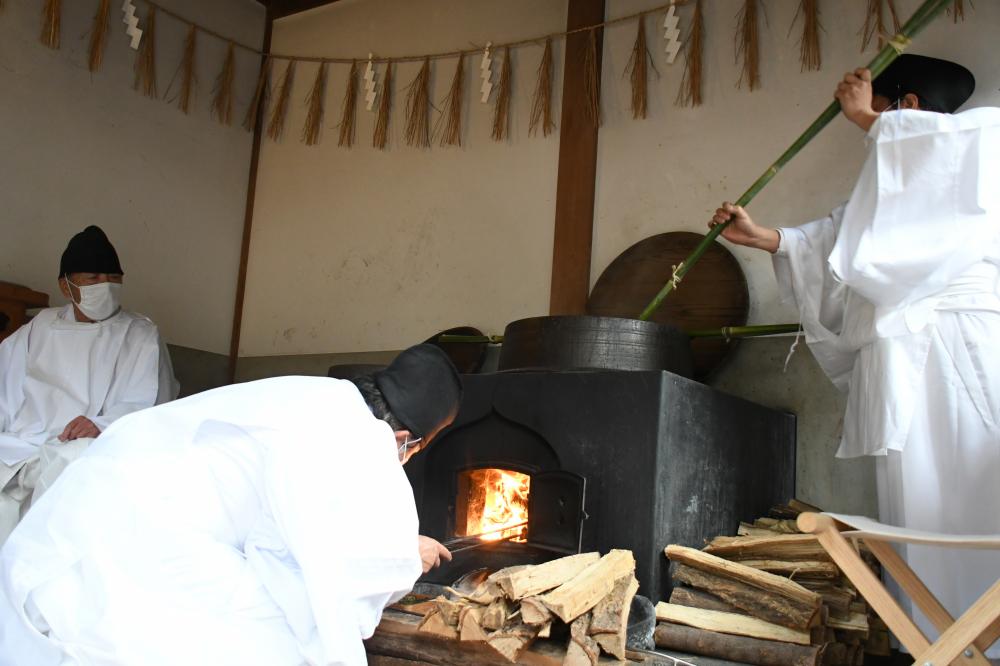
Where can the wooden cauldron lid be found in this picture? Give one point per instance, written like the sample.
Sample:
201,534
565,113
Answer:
712,295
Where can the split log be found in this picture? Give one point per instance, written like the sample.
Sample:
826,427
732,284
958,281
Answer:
534,612
836,655
582,649
583,591
785,526
544,577
796,569
729,623
836,597
470,626
449,610
745,529
434,624
495,615
736,648
512,640
855,623
695,598
609,622
746,598
877,644
778,547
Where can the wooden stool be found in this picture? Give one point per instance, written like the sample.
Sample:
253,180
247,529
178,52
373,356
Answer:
962,641
14,302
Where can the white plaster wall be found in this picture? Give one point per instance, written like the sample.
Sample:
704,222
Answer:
79,149
365,250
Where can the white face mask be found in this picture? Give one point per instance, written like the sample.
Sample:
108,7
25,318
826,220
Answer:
98,301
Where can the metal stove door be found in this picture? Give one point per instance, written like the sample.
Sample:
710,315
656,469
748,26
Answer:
555,511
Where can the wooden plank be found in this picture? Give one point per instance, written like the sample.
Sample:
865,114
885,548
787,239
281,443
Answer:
739,649
583,591
544,577
795,569
729,623
576,180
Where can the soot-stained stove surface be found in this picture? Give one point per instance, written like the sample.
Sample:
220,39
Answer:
617,459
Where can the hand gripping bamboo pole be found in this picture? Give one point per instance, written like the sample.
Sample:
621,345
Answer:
927,12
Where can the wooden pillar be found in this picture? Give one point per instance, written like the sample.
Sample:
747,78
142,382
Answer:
574,223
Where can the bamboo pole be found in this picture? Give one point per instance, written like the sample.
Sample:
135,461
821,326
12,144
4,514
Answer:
727,332
924,14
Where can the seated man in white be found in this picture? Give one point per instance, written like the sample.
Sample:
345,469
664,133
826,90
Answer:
70,372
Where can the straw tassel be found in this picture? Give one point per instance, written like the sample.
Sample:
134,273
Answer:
958,11
592,82
260,95
222,98
380,137
748,45
99,36
638,70
186,71
541,103
417,102
276,126
51,23
690,91
452,134
350,108
145,61
875,23
809,53
501,104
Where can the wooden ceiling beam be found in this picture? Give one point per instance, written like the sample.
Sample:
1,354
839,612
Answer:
282,8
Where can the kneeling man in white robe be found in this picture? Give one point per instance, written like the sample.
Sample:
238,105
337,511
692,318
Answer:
898,295
266,523
72,371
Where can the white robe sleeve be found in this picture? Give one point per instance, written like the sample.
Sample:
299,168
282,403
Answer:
13,367
345,510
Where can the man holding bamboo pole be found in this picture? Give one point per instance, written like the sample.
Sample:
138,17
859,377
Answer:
898,296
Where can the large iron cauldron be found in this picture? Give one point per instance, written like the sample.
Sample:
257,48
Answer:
586,342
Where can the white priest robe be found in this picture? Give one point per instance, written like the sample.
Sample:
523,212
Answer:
265,523
54,369
898,296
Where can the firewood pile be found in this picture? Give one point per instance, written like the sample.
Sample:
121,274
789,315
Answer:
770,596
585,597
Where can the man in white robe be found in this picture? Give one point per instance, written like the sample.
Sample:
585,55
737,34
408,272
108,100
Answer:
265,523
898,296
72,371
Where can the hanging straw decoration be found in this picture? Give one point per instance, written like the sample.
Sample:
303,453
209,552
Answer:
748,45
501,104
222,94
809,54
690,91
186,70
145,61
276,126
452,134
99,36
875,23
592,82
380,137
541,103
350,108
260,95
638,70
957,11
51,22
417,102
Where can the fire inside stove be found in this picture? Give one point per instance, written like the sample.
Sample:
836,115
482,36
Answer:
492,503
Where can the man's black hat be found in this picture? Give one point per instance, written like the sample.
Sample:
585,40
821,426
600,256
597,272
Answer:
422,387
943,84
90,251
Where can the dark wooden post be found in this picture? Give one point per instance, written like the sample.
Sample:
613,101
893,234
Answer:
574,223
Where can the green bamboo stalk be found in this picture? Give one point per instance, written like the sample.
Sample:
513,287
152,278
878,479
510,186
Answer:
490,339
929,10
728,332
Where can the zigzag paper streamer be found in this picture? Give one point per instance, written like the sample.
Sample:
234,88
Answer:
486,73
672,34
132,24
369,77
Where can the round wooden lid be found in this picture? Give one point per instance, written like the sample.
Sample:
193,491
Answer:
713,294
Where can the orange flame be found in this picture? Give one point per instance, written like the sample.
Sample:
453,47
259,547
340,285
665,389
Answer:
497,503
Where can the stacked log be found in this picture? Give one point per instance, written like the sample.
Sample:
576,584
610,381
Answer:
769,596
587,595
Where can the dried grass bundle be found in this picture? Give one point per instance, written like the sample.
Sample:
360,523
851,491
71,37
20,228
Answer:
592,81
380,137
501,104
145,61
957,11
748,45
449,126
276,126
418,101
99,36
638,70
875,23
260,95
186,71
541,103
350,108
51,23
809,54
690,91
222,94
